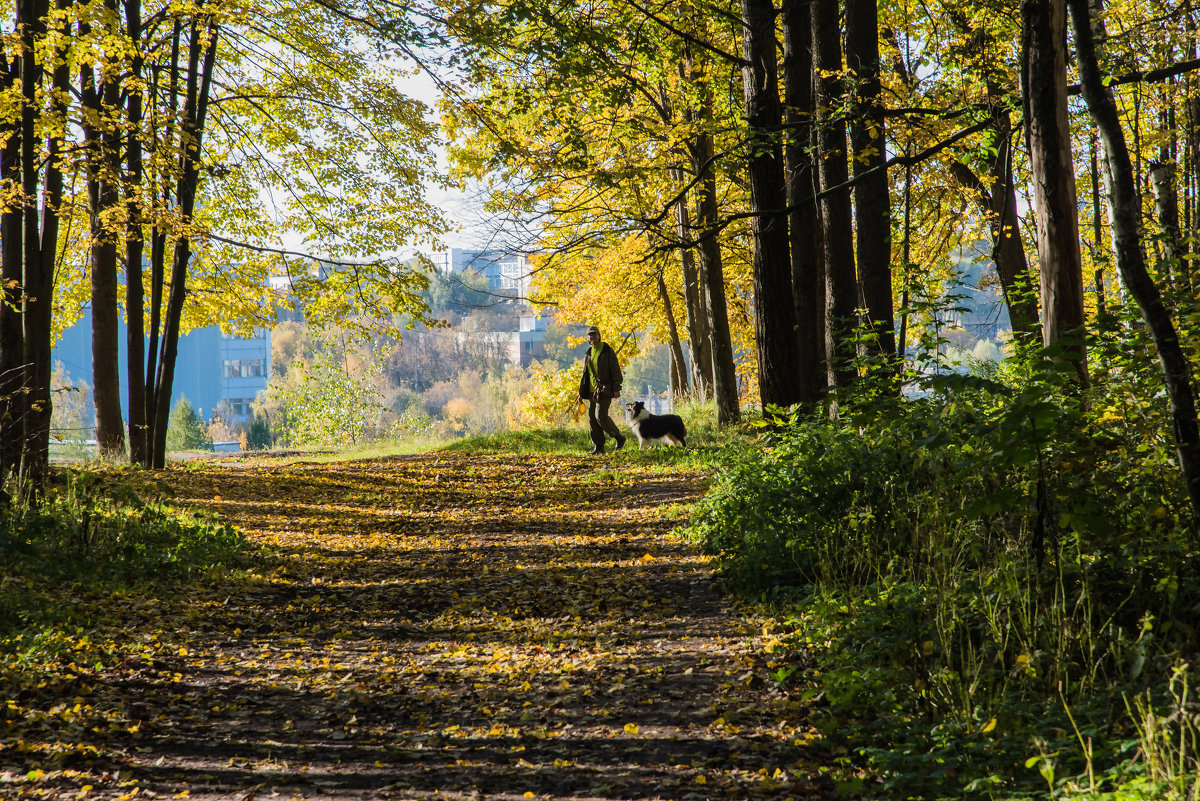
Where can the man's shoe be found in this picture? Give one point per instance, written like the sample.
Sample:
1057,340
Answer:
598,449
620,443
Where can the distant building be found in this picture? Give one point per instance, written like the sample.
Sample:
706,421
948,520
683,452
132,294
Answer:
521,342
506,273
520,336
216,372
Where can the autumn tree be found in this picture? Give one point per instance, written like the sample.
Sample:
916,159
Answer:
34,79
1130,252
1048,139
193,179
618,153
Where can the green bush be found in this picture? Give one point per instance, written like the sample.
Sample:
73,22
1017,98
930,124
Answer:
185,429
972,568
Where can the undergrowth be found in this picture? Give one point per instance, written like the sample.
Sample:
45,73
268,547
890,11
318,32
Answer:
989,586
91,537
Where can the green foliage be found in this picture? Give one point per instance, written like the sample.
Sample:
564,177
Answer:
971,566
258,433
90,537
651,367
332,400
185,430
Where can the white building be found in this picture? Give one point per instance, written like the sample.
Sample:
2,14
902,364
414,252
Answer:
506,273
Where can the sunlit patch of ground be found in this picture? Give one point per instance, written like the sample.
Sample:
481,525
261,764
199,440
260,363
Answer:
429,626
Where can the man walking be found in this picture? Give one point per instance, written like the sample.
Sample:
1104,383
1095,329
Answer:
599,384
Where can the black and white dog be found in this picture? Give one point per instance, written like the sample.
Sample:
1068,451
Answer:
652,428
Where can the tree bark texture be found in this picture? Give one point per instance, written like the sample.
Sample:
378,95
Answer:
100,100
1166,203
1048,138
804,234
135,341
774,315
837,226
725,386
1131,257
39,245
872,202
203,43
12,279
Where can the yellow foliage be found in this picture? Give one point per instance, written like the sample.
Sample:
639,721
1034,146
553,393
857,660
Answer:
554,399
457,409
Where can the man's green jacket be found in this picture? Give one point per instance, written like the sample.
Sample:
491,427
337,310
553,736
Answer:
601,373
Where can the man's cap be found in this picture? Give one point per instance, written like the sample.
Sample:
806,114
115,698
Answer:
593,330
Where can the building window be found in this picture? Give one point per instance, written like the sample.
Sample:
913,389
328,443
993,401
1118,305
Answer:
244,368
239,407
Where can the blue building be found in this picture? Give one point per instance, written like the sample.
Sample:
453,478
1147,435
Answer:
217,373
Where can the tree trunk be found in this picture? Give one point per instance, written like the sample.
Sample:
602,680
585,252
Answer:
774,315
841,285
162,133
191,137
12,279
804,239
699,339
1048,137
1099,248
679,378
1131,258
39,171
99,101
1166,202
724,372
135,338
999,203
872,203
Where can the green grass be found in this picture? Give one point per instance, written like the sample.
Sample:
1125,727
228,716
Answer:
94,537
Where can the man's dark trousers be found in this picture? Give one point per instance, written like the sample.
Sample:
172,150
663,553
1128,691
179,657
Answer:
600,422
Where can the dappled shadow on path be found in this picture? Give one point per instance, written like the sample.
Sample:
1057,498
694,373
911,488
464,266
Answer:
443,626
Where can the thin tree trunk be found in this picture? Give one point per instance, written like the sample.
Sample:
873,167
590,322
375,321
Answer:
724,371
1131,258
135,341
699,339
1099,247
679,378
872,202
905,258
1166,202
804,239
999,203
40,233
12,278
191,136
1048,136
841,284
99,100
162,138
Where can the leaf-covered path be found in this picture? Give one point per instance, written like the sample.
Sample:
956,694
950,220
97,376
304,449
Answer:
437,626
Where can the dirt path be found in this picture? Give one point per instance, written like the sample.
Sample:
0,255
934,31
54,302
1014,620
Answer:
442,626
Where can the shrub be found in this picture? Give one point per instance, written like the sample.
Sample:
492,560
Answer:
185,430
972,567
